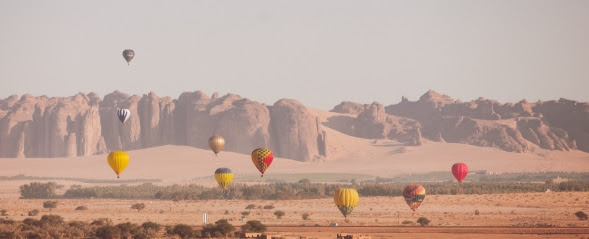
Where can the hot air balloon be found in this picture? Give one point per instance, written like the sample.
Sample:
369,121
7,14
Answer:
262,158
414,195
118,161
459,170
216,143
346,199
224,176
123,114
128,55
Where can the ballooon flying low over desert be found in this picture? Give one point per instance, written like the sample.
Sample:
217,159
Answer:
289,119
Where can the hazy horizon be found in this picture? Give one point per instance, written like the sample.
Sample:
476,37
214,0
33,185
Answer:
320,53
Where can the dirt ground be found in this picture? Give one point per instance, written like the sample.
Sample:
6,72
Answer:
379,213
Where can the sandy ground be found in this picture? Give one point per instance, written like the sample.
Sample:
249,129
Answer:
506,210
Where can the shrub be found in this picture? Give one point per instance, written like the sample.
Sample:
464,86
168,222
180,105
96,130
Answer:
250,207
33,213
102,222
3,212
138,206
151,226
81,208
253,226
108,232
581,215
269,207
423,221
305,216
476,212
52,220
221,228
38,190
407,222
50,204
183,231
279,214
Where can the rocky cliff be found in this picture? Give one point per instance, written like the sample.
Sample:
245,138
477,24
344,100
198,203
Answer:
85,125
553,125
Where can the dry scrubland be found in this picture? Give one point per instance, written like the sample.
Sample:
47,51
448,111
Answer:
508,210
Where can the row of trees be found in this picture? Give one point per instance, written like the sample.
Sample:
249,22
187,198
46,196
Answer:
53,226
288,191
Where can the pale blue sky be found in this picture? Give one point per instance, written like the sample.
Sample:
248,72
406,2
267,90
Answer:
319,52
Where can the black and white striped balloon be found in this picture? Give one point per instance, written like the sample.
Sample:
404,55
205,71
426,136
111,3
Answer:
123,114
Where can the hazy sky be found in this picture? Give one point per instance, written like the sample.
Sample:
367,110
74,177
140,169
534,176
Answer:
319,52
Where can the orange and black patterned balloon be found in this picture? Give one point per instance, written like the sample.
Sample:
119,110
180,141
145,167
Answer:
414,195
262,158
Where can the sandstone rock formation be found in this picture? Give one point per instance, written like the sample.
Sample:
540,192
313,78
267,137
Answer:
85,125
554,125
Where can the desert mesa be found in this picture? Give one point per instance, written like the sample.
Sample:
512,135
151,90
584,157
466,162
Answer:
552,132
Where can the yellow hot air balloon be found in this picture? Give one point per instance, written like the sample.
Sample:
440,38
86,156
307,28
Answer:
224,176
118,161
216,143
345,200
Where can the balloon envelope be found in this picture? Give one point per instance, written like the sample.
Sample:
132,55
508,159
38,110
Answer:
216,143
414,195
128,55
459,170
346,199
118,161
262,158
223,176
123,114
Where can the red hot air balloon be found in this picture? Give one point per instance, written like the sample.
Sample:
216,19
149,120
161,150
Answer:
459,170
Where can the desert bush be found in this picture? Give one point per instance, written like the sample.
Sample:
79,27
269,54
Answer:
476,212
423,221
3,212
269,207
50,204
51,220
245,214
108,232
305,216
221,228
151,226
250,207
405,222
183,231
33,213
279,214
38,190
138,206
581,215
81,208
253,226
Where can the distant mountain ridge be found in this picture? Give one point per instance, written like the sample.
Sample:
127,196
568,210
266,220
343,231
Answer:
554,125
85,124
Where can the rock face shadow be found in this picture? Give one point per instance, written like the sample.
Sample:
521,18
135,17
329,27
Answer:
341,123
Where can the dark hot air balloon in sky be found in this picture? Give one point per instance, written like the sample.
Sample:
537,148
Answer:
123,114
128,55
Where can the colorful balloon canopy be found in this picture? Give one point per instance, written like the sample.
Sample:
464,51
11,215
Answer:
118,161
459,170
414,195
123,114
224,176
128,55
346,199
216,143
262,158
